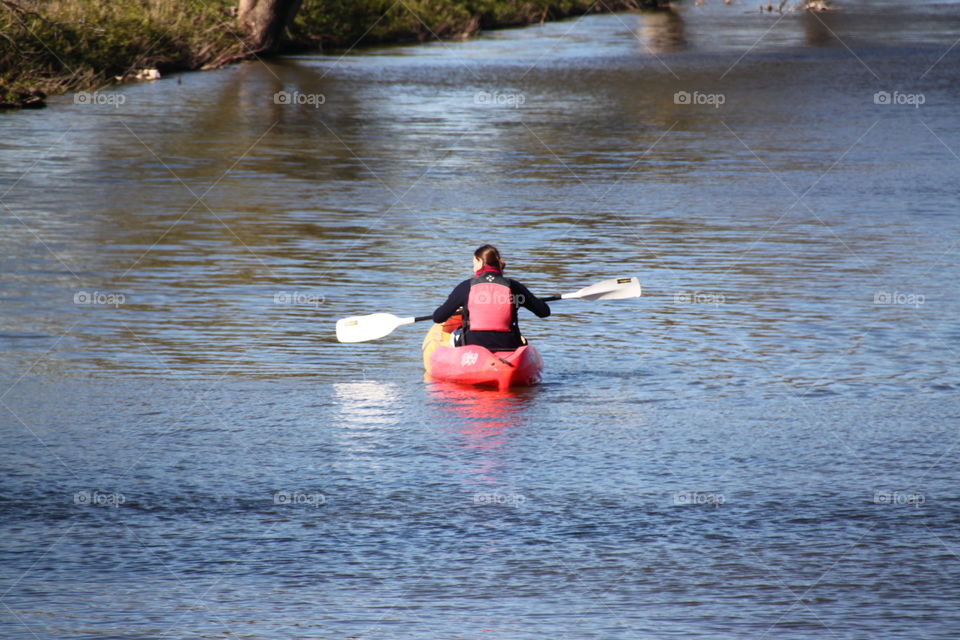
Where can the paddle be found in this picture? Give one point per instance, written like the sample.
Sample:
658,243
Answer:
378,325
371,327
616,289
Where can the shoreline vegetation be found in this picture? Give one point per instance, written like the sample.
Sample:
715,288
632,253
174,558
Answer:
55,46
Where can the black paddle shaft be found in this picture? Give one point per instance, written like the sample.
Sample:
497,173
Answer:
547,299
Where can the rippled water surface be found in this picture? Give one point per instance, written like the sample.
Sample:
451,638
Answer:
763,445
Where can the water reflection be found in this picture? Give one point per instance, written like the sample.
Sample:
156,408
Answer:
661,31
483,420
366,413
817,32
363,404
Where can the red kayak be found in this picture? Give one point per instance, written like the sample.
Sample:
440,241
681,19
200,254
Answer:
477,365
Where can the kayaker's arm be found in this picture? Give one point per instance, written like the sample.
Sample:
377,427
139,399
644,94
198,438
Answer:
456,299
529,301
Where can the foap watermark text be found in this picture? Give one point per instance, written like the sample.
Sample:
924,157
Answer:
99,298
299,298
899,498
704,498
914,300
299,98
500,99
100,98
498,498
98,499
897,98
309,498
698,297
714,100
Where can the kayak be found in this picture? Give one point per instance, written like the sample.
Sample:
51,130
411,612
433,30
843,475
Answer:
477,365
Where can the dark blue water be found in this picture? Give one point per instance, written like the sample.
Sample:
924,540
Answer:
763,445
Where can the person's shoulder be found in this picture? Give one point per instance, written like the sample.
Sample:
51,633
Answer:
514,282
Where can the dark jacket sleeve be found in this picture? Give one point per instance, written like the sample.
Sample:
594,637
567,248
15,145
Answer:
530,301
456,299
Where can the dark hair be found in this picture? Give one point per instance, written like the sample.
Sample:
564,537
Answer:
489,255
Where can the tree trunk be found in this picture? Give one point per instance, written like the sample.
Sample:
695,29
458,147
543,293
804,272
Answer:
264,21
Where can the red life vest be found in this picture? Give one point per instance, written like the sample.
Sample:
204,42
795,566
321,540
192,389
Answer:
490,303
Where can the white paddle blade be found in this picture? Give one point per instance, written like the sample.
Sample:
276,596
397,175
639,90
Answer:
615,289
371,327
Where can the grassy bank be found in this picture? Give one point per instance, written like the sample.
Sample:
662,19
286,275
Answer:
54,46
341,23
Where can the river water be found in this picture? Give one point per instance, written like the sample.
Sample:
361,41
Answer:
763,445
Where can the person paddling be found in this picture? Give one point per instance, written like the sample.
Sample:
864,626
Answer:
490,303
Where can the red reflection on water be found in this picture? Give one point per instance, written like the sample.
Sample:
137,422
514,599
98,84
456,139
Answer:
484,412
483,419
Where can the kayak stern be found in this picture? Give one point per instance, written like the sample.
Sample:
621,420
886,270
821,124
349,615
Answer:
477,365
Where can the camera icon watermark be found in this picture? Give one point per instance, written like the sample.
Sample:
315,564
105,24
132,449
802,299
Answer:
298,98
899,498
311,499
500,99
98,499
699,297
299,298
914,300
99,98
99,298
497,498
897,98
686,98
698,498
500,297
